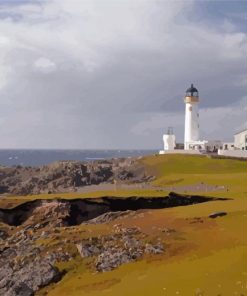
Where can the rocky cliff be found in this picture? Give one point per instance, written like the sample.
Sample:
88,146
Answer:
36,236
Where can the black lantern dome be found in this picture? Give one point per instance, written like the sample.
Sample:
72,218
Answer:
192,91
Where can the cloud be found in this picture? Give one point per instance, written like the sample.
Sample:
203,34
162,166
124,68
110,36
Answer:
44,65
112,74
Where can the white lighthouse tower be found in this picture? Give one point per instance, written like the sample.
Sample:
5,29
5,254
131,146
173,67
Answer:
191,133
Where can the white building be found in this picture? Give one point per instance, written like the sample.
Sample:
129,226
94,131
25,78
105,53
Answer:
238,148
228,146
240,140
191,128
169,141
192,142
213,145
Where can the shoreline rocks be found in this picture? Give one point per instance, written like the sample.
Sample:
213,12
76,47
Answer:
64,176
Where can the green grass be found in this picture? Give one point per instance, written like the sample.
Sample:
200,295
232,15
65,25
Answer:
179,170
192,164
208,258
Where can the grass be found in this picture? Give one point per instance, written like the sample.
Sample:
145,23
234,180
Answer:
181,170
208,258
192,164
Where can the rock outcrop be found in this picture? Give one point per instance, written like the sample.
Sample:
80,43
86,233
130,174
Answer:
24,268
65,176
126,245
16,281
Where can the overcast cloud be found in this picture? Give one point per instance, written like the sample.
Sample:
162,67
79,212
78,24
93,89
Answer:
112,73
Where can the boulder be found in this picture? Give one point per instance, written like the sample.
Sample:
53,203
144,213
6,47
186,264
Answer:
217,214
16,281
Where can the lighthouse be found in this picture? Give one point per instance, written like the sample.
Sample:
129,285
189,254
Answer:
191,132
192,144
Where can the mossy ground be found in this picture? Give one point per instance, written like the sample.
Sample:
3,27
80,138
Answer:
202,257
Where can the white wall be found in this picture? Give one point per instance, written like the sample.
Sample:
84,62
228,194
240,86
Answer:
230,146
179,151
233,153
212,145
239,140
169,142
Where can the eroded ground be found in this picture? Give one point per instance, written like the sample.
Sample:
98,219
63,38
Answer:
175,251
202,256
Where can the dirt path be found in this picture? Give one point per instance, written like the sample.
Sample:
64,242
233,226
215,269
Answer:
199,187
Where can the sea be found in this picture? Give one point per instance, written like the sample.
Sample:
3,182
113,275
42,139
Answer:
28,157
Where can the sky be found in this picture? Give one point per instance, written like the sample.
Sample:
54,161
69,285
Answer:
112,74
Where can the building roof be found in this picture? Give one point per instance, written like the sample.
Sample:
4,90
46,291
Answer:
192,90
240,132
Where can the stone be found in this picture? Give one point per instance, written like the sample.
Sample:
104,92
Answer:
154,249
111,251
111,259
3,235
109,216
23,290
26,280
88,250
217,214
168,231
